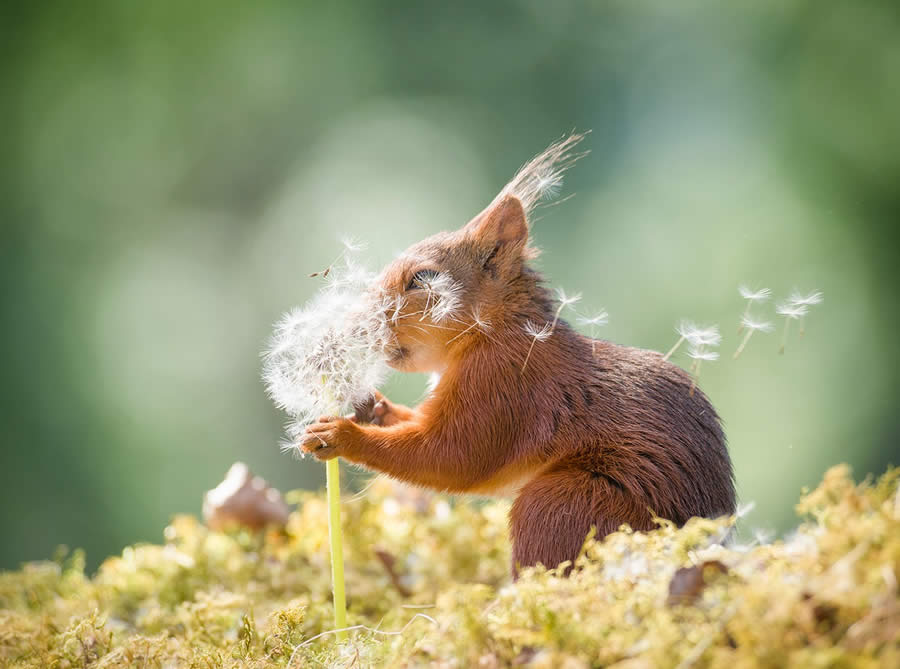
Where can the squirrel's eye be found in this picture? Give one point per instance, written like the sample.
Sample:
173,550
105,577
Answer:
421,279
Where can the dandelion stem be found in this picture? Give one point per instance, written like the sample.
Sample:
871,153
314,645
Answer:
743,343
787,325
336,538
530,349
744,317
696,377
674,348
336,541
556,317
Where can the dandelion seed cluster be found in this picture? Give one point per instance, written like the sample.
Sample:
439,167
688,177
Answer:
331,354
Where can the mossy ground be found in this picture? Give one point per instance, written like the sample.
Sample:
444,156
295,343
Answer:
825,597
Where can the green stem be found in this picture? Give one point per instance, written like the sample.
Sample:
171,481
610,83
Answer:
336,541
335,535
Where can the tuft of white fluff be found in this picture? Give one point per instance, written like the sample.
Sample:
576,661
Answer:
751,323
330,354
751,296
541,178
698,336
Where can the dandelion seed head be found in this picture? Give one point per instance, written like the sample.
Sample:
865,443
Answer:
756,325
534,331
329,355
791,310
808,300
760,295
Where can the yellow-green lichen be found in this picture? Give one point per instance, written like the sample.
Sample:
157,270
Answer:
439,594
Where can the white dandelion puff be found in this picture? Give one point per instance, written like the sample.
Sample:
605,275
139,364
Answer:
331,354
752,325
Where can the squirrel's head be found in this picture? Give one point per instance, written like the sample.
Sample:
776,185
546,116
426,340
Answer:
449,285
452,288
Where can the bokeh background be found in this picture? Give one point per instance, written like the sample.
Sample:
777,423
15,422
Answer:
172,172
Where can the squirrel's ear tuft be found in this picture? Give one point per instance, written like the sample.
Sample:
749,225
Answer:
502,222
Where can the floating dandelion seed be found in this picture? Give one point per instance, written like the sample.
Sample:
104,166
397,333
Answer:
695,336
761,295
815,297
752,297
537,334
478,321
752,325
599,319
809,300
544,332
791,312
700,343
564,301
350,245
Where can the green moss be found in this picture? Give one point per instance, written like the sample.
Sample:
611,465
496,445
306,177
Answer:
827,596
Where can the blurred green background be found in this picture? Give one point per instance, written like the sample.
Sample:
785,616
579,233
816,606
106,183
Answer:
173,171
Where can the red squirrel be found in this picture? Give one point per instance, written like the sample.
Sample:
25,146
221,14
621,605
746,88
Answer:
586,434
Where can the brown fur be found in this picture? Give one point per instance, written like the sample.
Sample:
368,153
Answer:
587,434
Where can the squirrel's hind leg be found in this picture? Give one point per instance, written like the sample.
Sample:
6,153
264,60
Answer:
552,515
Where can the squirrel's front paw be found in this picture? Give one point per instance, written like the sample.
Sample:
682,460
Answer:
328,437
379,410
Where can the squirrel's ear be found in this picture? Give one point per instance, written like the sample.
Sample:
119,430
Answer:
501,223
